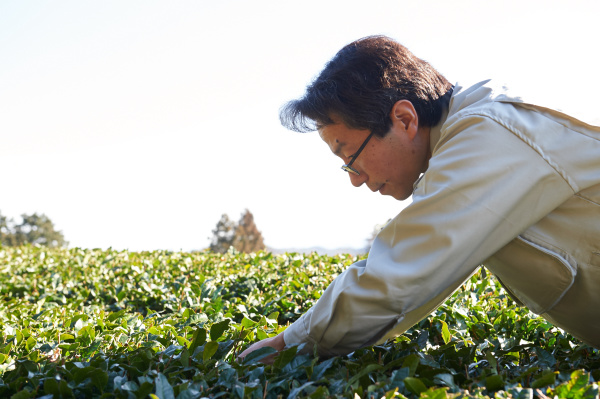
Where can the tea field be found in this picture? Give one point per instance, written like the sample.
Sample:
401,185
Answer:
78,323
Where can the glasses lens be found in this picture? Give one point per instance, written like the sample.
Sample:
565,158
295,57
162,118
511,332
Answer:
350,169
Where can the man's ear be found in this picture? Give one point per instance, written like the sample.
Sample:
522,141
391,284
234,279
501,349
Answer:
404,118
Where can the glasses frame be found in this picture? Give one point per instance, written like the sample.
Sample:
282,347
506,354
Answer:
348,167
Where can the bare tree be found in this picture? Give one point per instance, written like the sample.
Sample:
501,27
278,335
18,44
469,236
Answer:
243,236
247,237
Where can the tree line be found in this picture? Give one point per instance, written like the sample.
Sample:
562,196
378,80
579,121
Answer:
32,229
38,229
243,236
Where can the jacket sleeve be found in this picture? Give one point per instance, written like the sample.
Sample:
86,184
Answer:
483,187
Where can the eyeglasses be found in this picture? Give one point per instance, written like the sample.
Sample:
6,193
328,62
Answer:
348,167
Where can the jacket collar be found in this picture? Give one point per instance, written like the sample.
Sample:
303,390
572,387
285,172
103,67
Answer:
436,131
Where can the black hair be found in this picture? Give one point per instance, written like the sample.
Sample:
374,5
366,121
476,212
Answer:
361,84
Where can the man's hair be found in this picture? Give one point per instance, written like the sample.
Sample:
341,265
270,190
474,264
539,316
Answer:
361,84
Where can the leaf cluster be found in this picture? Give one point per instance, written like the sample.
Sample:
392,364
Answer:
103,323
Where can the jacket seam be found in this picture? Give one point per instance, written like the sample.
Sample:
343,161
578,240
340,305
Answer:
565,262
537,108
549,246
562,173
578,195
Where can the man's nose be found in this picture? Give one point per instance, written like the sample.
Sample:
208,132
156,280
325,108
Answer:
358,180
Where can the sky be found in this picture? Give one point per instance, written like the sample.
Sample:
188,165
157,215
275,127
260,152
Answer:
136,124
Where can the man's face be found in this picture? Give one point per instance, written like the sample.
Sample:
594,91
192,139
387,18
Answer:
389,165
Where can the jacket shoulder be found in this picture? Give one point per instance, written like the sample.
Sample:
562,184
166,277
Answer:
476,97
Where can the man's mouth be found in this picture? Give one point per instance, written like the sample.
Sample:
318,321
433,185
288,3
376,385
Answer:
377,188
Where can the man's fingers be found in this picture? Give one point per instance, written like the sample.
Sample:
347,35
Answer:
275,342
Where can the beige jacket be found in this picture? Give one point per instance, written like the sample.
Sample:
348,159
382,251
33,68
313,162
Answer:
510,185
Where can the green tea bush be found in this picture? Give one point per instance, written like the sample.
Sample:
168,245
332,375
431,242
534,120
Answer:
115,324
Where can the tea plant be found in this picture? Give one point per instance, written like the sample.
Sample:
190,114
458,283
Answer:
103,323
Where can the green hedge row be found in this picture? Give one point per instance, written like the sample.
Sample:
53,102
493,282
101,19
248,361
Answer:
102,323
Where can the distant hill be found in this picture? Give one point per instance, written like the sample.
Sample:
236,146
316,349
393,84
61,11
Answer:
319,250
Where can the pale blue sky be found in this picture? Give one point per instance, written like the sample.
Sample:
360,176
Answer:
136,124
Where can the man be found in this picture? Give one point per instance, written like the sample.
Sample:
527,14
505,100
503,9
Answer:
495,181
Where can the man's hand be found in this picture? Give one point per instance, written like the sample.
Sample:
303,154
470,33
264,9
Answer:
276,342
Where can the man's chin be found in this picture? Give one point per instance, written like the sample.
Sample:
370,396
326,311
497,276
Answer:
385,189
399,196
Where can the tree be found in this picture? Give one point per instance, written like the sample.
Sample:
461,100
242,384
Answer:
33,229
223,235
6,233
243,236
376,230
247,237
